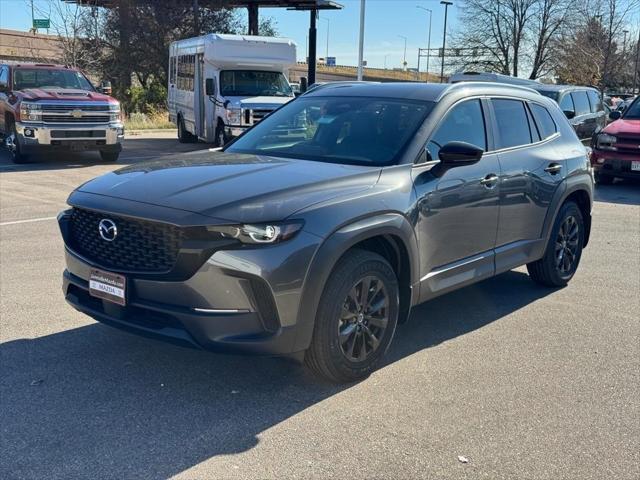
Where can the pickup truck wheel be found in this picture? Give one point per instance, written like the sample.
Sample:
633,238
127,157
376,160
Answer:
563,252
109,156
13,143
602,179
356,318
184,136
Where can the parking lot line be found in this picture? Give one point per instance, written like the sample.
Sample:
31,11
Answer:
15,222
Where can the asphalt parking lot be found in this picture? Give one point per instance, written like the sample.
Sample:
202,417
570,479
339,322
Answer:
525,382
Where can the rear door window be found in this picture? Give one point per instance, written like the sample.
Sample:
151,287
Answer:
544,120
566,103
463,123
512,122
594,100
581,101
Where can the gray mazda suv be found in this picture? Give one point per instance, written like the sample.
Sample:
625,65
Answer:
316,231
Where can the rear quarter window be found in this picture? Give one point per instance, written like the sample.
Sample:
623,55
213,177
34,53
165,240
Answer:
595,101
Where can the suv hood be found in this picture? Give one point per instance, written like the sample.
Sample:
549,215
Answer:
63,94
623,126
233,187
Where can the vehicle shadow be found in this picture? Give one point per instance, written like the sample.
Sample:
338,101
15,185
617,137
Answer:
622,191
94,401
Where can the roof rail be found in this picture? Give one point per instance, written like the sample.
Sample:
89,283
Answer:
506,86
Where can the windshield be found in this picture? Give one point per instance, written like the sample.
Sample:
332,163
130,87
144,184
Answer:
550,94
633,111
249,83
349,130
24,78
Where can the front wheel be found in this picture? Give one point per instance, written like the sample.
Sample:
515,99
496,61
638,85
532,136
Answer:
220,139
109,156
564,250
13,144
184,136
356,318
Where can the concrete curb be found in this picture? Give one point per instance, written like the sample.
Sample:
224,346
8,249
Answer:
150,130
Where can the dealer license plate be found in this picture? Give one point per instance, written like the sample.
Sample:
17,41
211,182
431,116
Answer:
108,286
635,166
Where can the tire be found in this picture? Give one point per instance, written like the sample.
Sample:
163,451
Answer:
603,179
347,346
564,250
184,136
109,156
220,139
17,156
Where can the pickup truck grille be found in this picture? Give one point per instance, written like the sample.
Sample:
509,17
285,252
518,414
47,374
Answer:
628,143
140,245
260,114
61,113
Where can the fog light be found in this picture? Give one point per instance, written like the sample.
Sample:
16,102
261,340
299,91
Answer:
601,160
28,132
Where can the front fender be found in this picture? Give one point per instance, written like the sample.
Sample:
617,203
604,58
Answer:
334,247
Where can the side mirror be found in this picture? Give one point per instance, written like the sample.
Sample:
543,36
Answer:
105,87
615,115
210,87
569,114
455,154
226,103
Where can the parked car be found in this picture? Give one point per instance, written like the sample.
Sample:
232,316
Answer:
319,242
616,150
46,108
583,106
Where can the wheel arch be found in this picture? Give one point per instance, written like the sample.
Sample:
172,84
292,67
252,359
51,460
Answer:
388,234
578,190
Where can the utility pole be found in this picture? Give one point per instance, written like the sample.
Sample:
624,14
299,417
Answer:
361,42
385,60
444,37
428,41
404,58
196,19
32,26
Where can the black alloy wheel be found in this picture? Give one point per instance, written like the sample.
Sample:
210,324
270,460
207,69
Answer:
364,318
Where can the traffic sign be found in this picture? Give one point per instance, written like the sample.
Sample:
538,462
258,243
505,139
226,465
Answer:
41,23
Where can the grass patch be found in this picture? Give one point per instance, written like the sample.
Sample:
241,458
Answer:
144,121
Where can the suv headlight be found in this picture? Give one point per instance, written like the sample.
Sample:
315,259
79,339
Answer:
234,115
30,112
114,112
604,141
268,233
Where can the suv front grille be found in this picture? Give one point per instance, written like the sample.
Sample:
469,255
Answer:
260,114
139,246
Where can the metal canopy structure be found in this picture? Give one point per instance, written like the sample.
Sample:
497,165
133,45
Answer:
252,7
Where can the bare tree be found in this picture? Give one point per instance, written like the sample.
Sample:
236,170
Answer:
68,21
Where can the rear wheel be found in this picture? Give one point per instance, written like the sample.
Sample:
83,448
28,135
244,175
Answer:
356,318
13,143
184,136
563,252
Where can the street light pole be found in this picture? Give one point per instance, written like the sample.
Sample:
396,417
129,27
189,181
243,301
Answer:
404,58
428,39
385,60
361,42
444,37
635,72
327,53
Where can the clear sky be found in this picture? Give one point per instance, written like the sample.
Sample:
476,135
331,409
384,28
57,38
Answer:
385,19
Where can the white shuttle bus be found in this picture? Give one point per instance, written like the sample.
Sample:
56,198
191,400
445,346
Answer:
219,85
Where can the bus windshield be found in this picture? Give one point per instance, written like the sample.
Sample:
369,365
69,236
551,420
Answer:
250,83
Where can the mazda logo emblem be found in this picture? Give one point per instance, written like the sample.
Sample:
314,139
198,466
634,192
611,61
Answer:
107,229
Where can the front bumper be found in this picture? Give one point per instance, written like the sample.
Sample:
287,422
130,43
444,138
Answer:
614,164
235,131
244,300
34,137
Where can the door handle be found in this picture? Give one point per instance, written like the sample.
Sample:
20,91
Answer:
490,180
553,168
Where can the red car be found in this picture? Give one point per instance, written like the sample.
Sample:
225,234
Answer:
616,149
